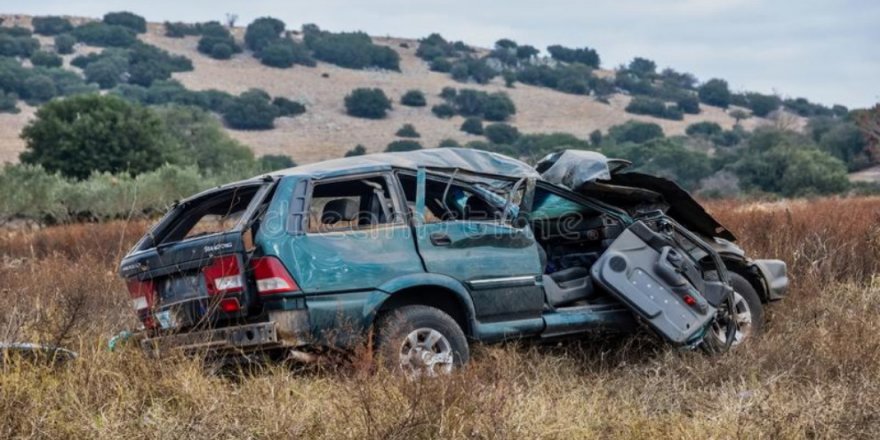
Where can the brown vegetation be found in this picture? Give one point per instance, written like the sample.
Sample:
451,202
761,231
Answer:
813,373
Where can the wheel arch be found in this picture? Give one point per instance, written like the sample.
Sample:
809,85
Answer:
741,266
432,290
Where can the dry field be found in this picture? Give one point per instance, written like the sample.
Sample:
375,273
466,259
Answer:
814,373
326,132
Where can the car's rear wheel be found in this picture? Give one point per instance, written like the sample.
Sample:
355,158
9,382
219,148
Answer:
748,312
421,341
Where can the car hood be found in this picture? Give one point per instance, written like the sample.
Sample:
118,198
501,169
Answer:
577,170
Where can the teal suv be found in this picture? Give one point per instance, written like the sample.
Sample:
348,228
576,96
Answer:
421,253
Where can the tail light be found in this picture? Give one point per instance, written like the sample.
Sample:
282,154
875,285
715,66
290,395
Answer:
272,277
223,276
142,299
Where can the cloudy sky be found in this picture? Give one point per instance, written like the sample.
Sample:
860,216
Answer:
825,50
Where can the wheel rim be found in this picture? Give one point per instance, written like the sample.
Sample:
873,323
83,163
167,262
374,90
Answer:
742,316
426,351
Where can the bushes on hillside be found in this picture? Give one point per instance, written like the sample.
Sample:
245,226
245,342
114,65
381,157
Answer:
199,140
408,131
285,53
367,103
126,19
689,104
443,111
8,103
358,150
762,105
252,110
180,30
87,133
472,69
635,131
273,162
434,47
715,92
17,46
402,145
262,32
664,157
287,107
641,105
468,102
472,125
215,34
64,44
46,59
586,56
143,64
354,50
413,98
501,133
104,35
704,128
51,25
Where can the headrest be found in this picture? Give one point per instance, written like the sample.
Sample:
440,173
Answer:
339,210
478,209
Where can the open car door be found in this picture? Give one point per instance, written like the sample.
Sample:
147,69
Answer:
660,282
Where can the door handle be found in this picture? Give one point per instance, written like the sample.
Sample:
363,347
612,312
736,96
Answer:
440,240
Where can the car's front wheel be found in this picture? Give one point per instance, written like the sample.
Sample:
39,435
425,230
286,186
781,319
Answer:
420,341
748,312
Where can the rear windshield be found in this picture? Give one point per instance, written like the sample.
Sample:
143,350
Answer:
217,212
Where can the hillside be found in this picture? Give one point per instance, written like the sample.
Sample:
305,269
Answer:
325,131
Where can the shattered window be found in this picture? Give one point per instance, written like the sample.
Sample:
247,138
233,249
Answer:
351,204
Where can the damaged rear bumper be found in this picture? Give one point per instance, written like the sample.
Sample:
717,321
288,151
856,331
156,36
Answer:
248,337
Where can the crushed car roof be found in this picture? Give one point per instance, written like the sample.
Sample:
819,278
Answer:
463,159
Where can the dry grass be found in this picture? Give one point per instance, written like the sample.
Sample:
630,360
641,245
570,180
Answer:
814,373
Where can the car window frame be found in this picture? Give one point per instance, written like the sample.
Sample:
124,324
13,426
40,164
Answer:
390,181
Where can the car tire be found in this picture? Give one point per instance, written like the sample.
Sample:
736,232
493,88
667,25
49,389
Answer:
750,311
420,340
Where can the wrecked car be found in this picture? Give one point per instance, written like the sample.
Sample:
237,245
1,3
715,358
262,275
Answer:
419,253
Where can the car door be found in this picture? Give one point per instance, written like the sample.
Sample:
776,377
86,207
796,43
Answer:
459,232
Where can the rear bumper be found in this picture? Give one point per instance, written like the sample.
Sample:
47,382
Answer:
248,337
775,276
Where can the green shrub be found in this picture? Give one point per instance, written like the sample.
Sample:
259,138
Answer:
441,64
354,50
285,53
501,133
715,92
126,19
274,162
262,32
586,56
473,126
358,150
434,46
12,46
635,131
596,138
30,193
199,139
64,43
704,128
38,89
642,67
449,143
51,25
641,105
104,35
221,51
408,131
8,103
443,111
180,30
413,98
689,104
526,52
46,59
214,33
288,107
762,105
472,69
252,110
498,107
82,134
107,73
403,145
367,103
